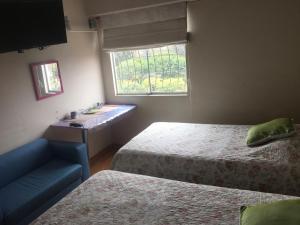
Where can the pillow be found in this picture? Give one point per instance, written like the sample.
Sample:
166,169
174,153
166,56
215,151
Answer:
273,130
285,212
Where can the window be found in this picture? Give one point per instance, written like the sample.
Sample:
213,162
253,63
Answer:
50,80
159,70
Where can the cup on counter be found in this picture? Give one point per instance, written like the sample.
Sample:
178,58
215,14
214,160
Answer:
73,115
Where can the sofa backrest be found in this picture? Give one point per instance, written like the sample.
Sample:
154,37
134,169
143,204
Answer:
22,160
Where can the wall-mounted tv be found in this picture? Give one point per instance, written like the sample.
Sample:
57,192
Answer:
28,24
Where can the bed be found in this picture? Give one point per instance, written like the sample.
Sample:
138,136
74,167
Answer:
213,155
117,198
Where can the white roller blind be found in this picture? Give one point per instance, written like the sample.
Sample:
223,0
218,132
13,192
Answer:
151,26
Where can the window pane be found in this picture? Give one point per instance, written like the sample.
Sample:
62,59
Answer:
151,71
131,77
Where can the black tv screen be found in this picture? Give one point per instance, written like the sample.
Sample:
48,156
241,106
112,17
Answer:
31,24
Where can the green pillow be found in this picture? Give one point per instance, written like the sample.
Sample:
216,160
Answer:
285,212
273,130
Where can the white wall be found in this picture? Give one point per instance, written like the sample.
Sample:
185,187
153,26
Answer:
244,67
243,61
77,14
22,118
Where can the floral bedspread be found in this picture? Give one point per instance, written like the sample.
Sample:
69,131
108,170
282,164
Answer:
214,155
116,198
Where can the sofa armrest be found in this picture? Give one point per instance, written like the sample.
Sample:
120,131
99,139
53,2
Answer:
73,152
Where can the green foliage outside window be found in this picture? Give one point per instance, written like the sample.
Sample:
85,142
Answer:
151,71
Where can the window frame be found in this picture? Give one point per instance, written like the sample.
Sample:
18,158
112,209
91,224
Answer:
112,62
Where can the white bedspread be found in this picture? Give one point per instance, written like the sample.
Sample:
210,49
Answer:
115,198
214,155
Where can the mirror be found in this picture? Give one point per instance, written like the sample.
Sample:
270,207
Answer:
46,79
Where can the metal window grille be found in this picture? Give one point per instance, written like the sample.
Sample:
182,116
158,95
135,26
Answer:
158,70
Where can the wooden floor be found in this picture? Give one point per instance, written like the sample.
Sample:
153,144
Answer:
102,161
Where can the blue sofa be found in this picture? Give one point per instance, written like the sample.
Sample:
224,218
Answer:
37,175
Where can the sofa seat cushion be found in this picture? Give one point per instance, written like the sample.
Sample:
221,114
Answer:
27,193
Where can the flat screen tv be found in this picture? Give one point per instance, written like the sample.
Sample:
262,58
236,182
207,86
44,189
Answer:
29,24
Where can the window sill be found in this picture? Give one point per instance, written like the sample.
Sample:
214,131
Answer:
152,95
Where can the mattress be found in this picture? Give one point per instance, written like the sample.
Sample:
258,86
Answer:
213,155
116,198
